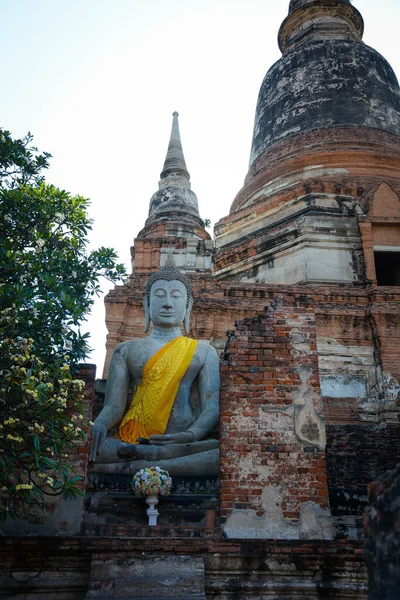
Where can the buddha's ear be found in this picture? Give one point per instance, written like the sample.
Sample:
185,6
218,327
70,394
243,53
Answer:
187,316
146,314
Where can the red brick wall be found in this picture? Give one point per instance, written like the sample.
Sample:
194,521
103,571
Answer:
386,234
260,368
385,202
367,155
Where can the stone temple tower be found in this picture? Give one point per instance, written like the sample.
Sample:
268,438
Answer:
320,201
173,213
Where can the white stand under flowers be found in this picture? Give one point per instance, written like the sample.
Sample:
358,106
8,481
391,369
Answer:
152,512
150,482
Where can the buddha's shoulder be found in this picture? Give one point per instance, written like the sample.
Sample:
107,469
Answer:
131,347
206,349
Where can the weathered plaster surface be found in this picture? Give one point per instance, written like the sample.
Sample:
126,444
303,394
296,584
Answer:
314,523
351,372
65,519
301,248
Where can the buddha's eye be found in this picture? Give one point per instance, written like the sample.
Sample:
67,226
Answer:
176,294
159,293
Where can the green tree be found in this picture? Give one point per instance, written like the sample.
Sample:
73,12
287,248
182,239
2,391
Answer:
48,281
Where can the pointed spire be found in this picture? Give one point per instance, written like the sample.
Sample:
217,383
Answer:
175,161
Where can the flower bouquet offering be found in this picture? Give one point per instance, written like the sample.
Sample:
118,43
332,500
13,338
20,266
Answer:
152,482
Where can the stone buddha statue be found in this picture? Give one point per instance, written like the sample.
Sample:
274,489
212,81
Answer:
175,406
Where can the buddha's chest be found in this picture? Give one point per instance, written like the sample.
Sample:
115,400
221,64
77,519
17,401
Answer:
138,360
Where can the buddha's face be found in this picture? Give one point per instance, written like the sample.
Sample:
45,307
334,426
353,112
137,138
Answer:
167,303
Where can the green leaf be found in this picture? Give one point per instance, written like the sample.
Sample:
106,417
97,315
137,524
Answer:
49,463
75,479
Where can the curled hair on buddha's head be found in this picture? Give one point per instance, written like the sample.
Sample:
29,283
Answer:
168,272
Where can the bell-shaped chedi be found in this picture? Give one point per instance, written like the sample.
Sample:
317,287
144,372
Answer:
327,77
327,128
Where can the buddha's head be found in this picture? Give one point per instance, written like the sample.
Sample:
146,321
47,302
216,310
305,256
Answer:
168,300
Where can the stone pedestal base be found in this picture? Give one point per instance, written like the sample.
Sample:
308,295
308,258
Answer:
146,578
110,501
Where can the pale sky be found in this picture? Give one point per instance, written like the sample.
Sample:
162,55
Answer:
96,83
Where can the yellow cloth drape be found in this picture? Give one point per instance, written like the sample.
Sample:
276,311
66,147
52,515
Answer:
154,397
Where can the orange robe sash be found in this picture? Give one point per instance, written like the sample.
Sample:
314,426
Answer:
154,397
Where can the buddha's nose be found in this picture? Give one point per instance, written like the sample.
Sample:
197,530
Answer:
167,303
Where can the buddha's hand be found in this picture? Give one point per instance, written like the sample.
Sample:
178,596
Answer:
99,434
183,437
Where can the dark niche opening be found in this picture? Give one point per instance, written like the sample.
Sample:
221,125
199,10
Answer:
387,267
